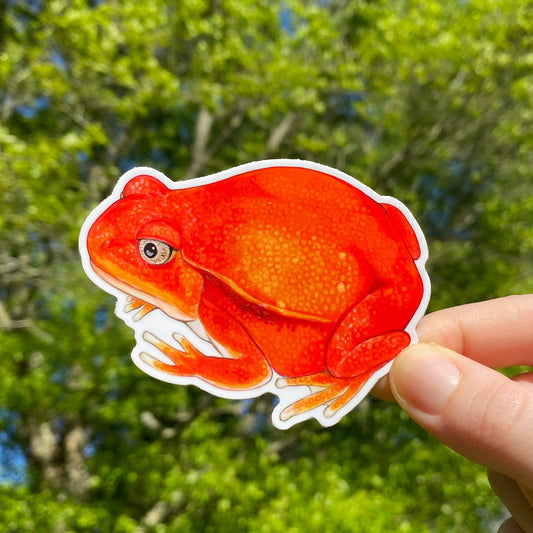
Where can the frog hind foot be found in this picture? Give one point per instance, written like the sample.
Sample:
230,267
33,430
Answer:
334,393
368,356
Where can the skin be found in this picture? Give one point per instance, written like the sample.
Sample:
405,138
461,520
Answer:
447,384
282,267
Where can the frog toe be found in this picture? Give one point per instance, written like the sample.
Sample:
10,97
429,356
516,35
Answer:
148,359
156,363
343,399
314,400
176,356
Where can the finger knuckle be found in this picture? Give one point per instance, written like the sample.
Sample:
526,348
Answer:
496,415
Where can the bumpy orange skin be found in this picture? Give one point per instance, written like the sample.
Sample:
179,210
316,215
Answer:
288,268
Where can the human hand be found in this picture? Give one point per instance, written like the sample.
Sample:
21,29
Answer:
470,407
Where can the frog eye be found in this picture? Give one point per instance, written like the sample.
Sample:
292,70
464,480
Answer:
155,252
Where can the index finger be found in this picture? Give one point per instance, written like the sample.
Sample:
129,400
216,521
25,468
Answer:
496,333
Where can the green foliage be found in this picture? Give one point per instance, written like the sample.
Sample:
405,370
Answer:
429,101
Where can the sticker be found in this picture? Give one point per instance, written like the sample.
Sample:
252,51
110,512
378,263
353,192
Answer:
280,276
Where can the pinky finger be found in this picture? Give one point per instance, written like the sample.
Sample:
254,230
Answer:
515,500
510,526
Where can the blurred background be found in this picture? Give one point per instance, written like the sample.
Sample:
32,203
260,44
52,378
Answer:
428,101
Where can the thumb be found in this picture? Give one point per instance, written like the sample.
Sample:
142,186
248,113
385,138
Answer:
473,409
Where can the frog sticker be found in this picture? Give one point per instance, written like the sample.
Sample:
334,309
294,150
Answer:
280,276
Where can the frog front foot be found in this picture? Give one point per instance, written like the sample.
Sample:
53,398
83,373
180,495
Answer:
326,390
142,308
182,361
237,372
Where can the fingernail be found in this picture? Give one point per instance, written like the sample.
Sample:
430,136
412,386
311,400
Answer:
424,378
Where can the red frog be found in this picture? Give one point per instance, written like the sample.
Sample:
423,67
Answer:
307,282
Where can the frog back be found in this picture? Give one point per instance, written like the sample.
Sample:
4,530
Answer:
294,240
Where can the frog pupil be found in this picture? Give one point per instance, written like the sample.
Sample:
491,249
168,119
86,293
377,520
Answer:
150,250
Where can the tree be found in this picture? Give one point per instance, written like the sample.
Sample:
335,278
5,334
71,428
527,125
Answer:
428,102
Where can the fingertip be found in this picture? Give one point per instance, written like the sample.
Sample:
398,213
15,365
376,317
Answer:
382,390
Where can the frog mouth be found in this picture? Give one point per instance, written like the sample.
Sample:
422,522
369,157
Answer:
139,301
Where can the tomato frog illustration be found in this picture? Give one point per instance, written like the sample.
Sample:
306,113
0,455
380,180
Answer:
279,276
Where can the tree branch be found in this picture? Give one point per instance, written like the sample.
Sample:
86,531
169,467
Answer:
199,155
279,133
